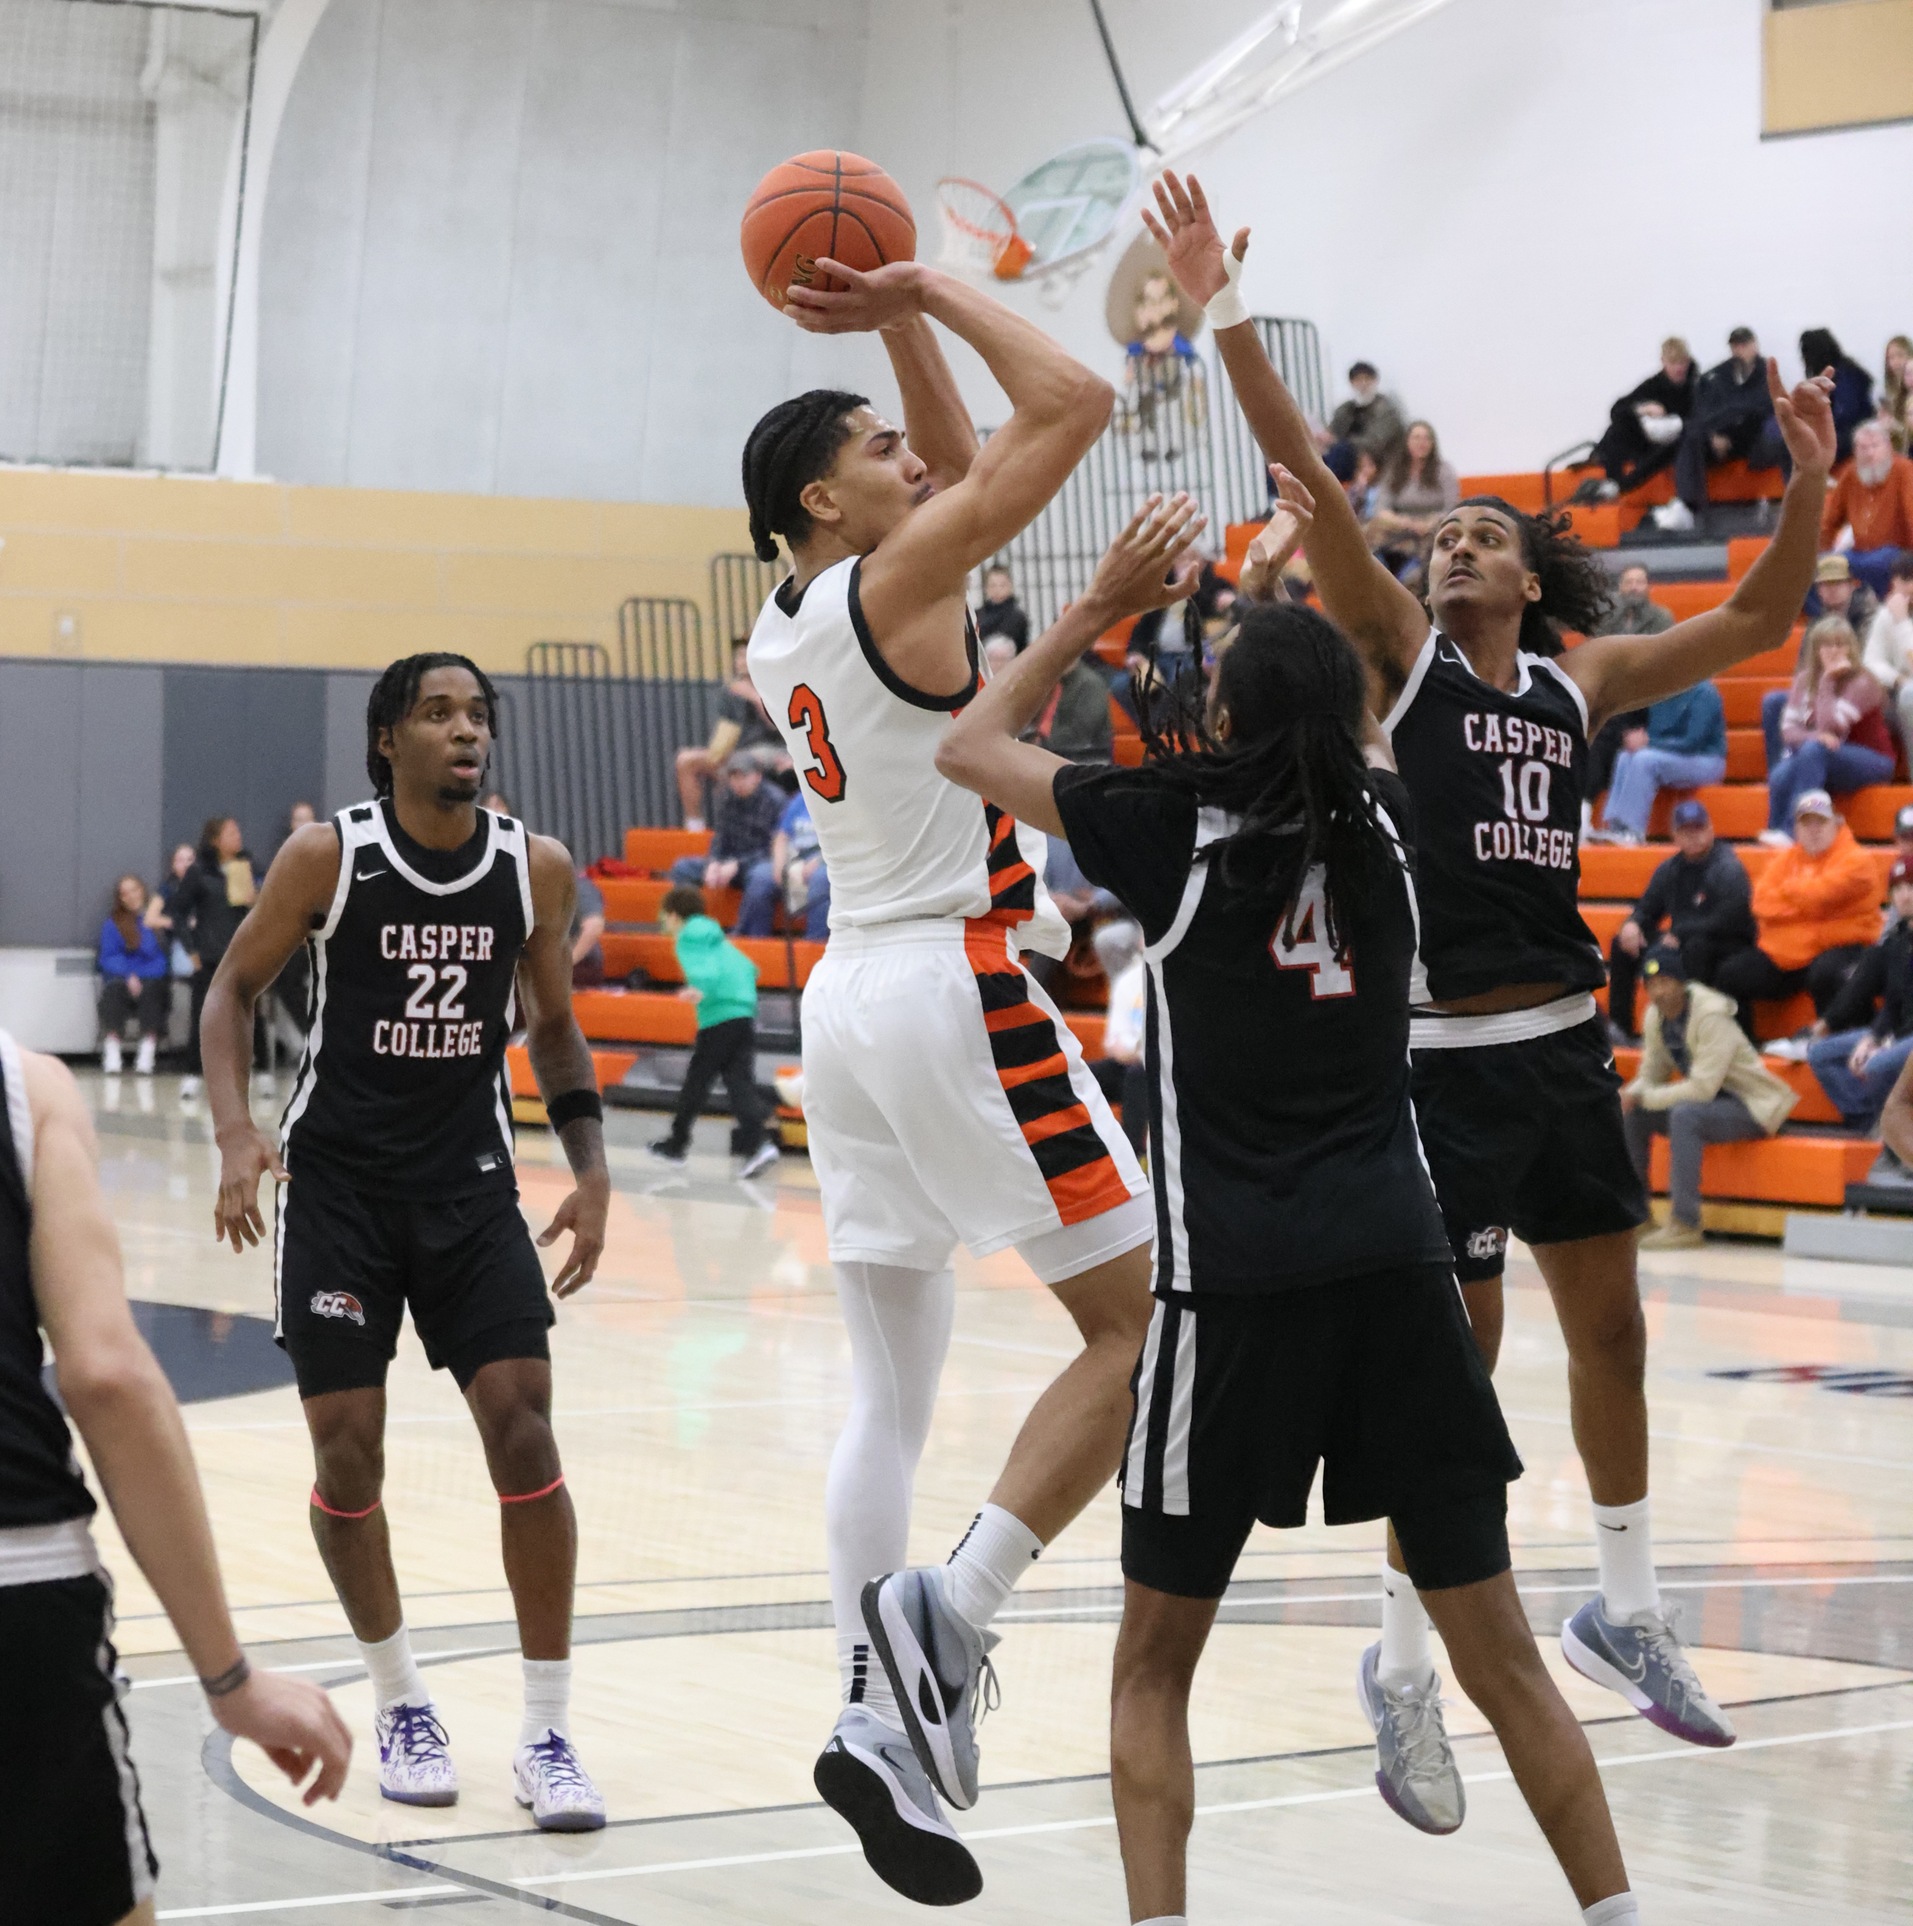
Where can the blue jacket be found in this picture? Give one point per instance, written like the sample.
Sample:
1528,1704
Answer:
148,960
1690,724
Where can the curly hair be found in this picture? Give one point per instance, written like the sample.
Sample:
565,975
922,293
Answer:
1575,589
791,447
395,695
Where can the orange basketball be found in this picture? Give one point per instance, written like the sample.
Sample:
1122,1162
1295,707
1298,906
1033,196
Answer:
823,204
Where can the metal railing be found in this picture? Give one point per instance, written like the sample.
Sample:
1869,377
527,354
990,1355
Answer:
740,586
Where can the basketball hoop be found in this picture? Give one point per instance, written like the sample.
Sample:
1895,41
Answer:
979,231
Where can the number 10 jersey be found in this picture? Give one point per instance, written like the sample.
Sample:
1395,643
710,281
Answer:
401,1091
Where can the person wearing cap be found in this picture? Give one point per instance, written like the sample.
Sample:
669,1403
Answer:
1700,1082
1888,656
1731,407
1816,906
1701,895
1832,730
1686,748
1869,1025
1837,590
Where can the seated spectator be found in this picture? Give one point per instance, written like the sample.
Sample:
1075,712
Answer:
794,871
1888,655
1074,722
998,653
587,936
1416,490
1860,1047
1816,907
1633,610
1686,748
134,979
1869,508
210,905
1838,591
1702,895
1120,1069
1895,392
1902,845
1630,613
1831,728
747,811
1002,613
1852,400
1731,408
1701,1082
1644,426
743,728
159,909
1368,421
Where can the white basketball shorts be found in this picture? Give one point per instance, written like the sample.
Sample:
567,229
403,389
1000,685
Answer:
947,1102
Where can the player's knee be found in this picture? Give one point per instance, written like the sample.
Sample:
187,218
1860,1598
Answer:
519,1447
1614,1342
350,1463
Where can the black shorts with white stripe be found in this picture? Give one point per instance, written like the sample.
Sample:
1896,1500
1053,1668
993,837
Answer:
1375,1378
73,1843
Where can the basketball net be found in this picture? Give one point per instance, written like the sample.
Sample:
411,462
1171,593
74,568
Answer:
979,232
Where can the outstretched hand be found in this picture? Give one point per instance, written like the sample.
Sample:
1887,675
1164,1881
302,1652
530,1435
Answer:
244,1159
1187,233
1806,418
1153,562
882,298
583,1214
1288,525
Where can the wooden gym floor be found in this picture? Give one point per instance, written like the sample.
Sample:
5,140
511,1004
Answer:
700,1382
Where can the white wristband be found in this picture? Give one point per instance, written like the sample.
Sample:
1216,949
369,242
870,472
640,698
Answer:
1227,309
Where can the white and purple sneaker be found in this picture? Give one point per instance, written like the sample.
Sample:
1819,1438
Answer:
415,1759
555,1786
1641,1658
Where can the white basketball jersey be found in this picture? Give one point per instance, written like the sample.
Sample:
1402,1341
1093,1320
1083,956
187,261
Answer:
899,840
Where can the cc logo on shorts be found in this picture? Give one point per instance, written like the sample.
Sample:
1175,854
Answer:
338,1304
1488,1243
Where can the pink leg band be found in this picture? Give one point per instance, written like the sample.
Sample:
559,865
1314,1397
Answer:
332,1511
526,1497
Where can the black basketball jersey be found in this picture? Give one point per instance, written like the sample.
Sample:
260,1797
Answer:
402,1089
40,1482
1498,778
1283,1149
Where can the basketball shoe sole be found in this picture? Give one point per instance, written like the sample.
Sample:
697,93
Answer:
871,1775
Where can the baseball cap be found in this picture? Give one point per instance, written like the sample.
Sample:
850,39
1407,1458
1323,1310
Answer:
1738,336
1693,815
1903,822
1814,802
1832,568
1901,872
1664,962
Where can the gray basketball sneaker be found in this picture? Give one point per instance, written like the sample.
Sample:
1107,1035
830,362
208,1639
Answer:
940,1670
1641,1658
870,1774
1414,1767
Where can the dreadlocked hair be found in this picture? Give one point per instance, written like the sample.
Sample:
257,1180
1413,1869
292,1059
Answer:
395,695
1575,588
791,447
1290,769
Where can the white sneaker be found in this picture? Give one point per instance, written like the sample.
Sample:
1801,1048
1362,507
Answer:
1674,518
265,1084
870,1775
188,1089
760,1159
415,1759
110,1061
148,1050
555,1786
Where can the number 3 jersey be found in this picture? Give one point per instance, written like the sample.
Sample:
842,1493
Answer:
1283,1147
900,841
402,1090
1498,777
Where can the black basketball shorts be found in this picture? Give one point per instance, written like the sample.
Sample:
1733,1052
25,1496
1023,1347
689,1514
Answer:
1526,1137
73,1843
348,1265
1375,1378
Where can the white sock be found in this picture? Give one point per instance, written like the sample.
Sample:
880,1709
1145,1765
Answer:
865,1682
547,1699
990,1557
1618,1911
1626,1546
393,1670
1166,1919
1404,1652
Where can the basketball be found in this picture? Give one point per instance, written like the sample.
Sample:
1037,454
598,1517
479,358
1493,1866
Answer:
818,205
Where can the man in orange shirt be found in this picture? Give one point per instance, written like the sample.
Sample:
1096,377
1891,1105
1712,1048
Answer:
1873,498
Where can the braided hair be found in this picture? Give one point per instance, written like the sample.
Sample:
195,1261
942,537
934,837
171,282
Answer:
394,697
791,447
1575,589
1291,769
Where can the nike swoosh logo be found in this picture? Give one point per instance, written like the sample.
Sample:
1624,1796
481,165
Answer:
366,875
1605,1526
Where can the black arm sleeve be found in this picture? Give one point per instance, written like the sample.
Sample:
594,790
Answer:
1133,833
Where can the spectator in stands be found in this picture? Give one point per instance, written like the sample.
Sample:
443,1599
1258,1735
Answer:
1817,908
1701,893
1074,722
134,979
1832,728
793,872
1368,420
1867,1032
743,729
1686,748
1888,656
1731,408
1895,391
1630,613
1002,613
587,936
1838,591
1633,610
1644,426
211,903
159,909
1852,399
1417,488
1869,508
1120,1069
1701,1082
747,811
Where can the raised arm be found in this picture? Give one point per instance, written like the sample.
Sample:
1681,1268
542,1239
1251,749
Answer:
1618,672
1384,621
935,420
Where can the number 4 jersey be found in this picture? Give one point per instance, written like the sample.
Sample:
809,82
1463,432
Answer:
1283,1148
401,1091
900,841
